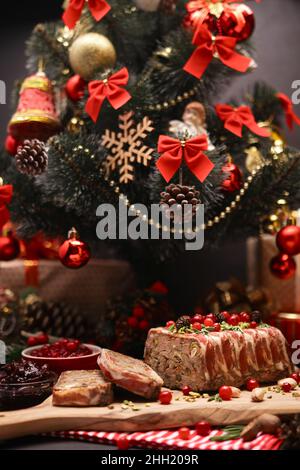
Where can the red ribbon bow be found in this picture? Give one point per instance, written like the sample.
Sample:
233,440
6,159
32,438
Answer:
287,105
111,89
174,151
208,47
235,118
6,193
98,8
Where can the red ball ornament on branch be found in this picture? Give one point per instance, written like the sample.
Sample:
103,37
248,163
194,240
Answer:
11,145
75,87
9,247
74,253
233,182
238,22
288,240
283,266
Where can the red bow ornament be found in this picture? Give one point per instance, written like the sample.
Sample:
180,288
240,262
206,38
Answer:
235,118
6,193
98,9
208,46
111,89
287,105
173,151
201,9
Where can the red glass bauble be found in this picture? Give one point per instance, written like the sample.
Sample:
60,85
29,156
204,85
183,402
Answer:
233,182
283,266
9,247
74,253
11,145
75,87
229,22
288,240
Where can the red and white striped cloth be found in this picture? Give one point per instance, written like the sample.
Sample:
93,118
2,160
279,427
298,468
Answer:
170,440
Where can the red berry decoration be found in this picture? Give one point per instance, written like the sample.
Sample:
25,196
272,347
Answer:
203,428
197,326
138,311
225,393
170,323
123,443
286,387
233,181
226,316
296,377
211,316
288,240
251,384
42,339
133,322
217,327
165,398
244,317
75,88
184,434
11,145
71,346
197,319
32,341
186,390
283,266
234,320
9,247
144,325
208,322
253,324
74,253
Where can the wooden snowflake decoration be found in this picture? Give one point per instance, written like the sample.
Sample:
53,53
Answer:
126,147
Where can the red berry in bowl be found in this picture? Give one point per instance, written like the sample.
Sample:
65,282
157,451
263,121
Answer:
234,320
165,398
208,322
217,327
133,322
197,326
286,387
253,324
186,390
225,393
251,384
203,428
170,323
71,346
138,311
244,317
42,339
296,377
197,319
144,325
184,434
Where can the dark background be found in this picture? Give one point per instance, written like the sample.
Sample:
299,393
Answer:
276,39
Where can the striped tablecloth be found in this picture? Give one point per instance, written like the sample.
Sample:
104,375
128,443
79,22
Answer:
170,440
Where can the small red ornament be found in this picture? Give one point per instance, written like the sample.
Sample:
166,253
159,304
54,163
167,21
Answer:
74,253
229,22
286,387
251,384
144,325
133,322
288,240
186,390
203,428
165,398
159,287
75,87
11,145
225,393
138,311
184,434
283,266
9,247
32,341
233,181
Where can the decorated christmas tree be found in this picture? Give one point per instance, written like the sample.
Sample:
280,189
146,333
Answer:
124,102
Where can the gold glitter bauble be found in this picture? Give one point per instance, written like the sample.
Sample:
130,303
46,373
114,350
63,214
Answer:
75,125
90,53
254,158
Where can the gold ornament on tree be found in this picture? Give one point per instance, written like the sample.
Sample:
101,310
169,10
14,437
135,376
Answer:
254,157
90,53
127,147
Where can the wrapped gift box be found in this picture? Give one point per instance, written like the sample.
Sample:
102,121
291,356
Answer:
88,288
285,293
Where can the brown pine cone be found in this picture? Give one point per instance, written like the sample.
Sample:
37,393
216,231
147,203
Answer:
181,195
32,158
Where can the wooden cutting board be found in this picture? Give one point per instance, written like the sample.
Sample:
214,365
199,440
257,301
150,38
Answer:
150,416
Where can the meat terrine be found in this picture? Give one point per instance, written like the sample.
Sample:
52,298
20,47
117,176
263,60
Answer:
129,373
82,388
206,362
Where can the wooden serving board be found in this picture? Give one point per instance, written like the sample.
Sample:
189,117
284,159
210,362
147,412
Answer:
150,416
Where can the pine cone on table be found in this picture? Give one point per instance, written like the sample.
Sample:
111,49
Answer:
31,158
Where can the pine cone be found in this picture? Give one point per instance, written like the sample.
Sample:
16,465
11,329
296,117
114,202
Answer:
181,195
32,158
256,316
220,317
54,318
183,322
